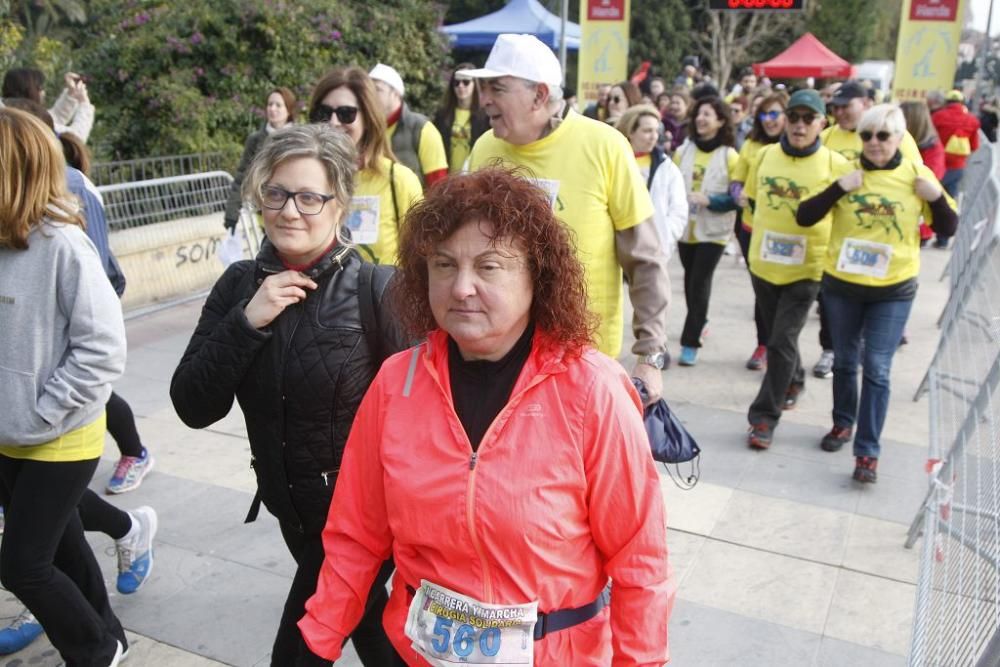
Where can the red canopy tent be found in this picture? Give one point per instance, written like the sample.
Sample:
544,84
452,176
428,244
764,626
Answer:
806,57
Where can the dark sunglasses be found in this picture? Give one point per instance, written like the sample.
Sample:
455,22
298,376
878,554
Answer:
770,115
794,117
881,135
462,82
324,112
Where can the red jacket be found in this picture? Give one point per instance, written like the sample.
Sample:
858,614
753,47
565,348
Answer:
954,119
934,157
561,495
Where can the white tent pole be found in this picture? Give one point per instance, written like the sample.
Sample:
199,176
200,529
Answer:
562,37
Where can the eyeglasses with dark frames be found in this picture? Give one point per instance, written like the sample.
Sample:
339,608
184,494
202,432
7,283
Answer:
881,135
307,203
324,112
794,117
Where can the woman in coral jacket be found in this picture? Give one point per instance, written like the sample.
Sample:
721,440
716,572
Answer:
502,463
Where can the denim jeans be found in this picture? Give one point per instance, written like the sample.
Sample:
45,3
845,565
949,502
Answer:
880,324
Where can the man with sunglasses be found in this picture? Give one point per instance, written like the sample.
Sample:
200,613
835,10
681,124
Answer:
589,172
415,140
786,261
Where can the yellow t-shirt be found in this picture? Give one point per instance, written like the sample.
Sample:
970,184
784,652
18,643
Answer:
589,171
701,160
461,139
848,144
430,148
82,444
749,153
645,164
372,219
875,238
782,252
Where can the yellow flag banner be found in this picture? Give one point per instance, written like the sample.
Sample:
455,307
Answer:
603,56
927,50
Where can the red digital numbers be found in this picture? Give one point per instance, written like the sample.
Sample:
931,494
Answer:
747,5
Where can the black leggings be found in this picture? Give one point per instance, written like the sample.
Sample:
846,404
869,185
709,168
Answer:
98,515
46,562
121,426
743,237
370,640
699,261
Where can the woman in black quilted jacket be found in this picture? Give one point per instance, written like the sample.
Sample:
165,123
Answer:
295,336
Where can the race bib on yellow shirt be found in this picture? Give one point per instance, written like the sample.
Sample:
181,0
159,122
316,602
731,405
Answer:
363,220
865,258
783,248
449,628
550,187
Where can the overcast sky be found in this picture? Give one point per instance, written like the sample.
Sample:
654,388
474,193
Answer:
979,9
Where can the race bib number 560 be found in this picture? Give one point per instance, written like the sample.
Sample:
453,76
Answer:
448,628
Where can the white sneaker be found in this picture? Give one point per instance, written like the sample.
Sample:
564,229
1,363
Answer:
135,554
118,655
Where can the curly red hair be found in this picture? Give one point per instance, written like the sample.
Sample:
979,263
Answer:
519,212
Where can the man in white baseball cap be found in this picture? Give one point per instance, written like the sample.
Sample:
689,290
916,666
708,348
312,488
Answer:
590,173
415,140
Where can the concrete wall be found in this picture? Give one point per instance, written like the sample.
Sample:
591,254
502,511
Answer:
169,260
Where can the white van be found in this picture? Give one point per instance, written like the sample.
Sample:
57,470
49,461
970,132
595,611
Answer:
879,72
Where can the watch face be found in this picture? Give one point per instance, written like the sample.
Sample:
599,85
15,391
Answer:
655,360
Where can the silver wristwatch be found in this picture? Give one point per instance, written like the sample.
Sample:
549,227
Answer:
658,360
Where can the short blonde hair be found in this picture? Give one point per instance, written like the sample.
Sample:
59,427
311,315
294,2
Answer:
886,117
33,179
630,119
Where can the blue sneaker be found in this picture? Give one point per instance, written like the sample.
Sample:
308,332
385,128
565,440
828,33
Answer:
135,554
24,630
129,472
689,356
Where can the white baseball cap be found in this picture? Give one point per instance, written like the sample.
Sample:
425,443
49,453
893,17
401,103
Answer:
521,56
388,75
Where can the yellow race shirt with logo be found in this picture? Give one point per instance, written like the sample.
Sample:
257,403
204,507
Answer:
372,218
701,160
461,138
848,144
875,238
782,252
589,171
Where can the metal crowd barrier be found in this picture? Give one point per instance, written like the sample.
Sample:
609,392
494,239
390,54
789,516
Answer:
957,614
144,169
166,233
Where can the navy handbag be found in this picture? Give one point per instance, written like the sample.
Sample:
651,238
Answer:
669,441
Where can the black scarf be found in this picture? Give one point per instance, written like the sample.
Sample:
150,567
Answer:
894,162
792,151
708,145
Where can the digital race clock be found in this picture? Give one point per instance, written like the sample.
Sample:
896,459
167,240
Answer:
752,5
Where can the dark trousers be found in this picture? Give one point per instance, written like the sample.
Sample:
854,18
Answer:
825,338
699,261
101,516
46,562
121,426
743,237
880,324
370,640
785,309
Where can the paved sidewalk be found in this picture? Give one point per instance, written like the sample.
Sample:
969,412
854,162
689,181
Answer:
781,559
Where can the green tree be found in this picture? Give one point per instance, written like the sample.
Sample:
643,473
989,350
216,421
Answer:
845,26
171,78
660,32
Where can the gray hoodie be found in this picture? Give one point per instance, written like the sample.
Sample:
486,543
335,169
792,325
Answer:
62,338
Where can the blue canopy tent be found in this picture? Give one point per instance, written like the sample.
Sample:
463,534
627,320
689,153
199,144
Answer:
518,16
